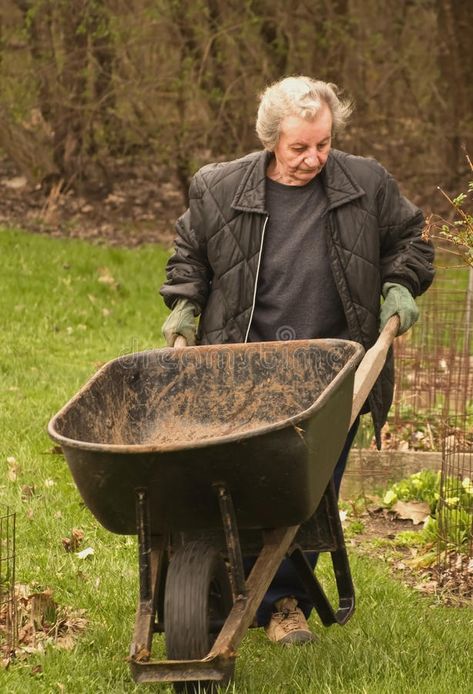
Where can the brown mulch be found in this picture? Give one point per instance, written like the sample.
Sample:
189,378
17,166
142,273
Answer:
140,206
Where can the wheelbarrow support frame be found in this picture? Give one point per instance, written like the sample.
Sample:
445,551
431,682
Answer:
277,543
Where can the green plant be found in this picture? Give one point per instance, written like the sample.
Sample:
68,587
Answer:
459,230
356,527
451,506
421,486
409,538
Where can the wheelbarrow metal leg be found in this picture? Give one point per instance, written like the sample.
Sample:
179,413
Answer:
341,565
276,544
316,593
341,568
144,543
232,540
151,551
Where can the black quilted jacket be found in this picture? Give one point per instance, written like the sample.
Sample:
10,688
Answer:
373,236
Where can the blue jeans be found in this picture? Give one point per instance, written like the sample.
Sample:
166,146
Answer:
286,581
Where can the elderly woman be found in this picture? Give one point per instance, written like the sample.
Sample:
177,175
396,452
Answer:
297,241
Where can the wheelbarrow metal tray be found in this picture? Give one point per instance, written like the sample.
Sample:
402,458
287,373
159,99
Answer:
268,420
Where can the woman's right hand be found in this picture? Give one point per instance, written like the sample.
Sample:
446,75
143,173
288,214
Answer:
180,324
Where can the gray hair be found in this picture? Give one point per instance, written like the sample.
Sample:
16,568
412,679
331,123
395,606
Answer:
297,96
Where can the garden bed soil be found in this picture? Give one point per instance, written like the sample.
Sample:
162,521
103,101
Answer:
448,578
140,206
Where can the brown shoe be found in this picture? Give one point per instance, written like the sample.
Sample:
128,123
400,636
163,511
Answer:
288,625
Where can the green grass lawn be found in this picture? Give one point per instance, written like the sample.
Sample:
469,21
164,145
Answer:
66,307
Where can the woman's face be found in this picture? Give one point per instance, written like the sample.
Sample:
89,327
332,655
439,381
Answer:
302,148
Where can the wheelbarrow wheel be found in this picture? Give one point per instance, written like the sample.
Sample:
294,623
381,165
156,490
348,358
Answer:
197,600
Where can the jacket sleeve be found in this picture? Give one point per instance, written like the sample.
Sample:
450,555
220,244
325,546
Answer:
406,257
188,272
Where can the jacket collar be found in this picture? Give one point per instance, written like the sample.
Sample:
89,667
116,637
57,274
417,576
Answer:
251,193
339,185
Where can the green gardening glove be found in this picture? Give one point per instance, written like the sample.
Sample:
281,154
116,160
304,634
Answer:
181,321
398,299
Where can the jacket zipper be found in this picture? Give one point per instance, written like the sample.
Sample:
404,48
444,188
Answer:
256,279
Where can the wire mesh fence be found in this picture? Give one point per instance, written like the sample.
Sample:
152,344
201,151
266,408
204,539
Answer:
455,507
8,626
434,378
434,374
432,411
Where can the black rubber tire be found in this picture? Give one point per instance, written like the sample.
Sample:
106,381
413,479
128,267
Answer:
197,594
161,587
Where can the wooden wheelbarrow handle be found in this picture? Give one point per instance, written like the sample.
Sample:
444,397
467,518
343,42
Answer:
180,341
371,365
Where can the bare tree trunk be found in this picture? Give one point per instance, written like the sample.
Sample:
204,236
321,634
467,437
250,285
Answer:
455,57
71,114
190,58
40,41
103,54
60,36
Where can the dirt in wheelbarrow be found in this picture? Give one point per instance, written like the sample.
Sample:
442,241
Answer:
177,433
373,531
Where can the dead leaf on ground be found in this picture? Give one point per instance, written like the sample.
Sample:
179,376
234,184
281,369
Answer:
41,622
106,277
13,468
428,587
27,491
72,543
15,183
142,655
416,511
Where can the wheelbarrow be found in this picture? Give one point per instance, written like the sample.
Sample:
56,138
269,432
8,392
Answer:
209,454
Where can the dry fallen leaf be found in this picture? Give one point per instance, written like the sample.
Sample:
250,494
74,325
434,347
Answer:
42,622
142,655
66,642
15,183
106,277
427,587
71,544
27,491
400,565
416,511
13,468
